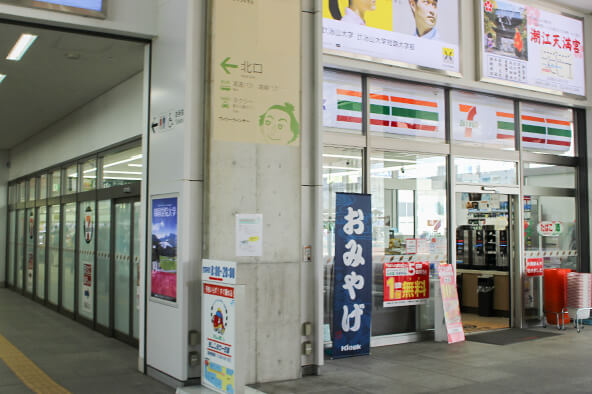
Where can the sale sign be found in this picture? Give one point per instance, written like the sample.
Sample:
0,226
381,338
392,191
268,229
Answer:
534,267
452,315
406,283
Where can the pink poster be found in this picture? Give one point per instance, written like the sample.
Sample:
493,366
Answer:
452,316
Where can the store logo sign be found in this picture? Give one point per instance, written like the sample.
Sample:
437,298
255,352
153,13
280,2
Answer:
550,228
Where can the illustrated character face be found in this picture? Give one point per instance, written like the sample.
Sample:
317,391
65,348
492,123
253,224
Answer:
363,5
276,126
425,13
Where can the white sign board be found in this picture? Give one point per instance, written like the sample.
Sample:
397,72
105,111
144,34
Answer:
526,46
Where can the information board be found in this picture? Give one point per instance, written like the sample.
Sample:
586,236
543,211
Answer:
409,33
527,46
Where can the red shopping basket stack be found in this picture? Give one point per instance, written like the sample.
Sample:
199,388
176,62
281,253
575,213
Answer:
555,285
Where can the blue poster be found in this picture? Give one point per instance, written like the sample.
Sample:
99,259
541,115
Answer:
352,284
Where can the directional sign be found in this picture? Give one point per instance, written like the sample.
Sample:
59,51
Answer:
225,65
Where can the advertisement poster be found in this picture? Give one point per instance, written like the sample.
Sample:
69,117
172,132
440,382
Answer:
87,288
406,283
452,315
164,249
482,119
418,33
352,291
256,79
534,267
219,325
249,234
529,46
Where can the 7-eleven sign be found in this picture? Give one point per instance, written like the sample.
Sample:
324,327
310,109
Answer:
469,124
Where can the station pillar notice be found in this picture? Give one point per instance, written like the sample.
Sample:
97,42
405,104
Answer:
221,299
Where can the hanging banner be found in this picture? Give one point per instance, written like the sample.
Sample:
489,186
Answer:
409,33
527,46
452,315
352,291
219,325
534,267
406,283
164,249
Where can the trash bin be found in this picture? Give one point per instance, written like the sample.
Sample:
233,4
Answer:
485,289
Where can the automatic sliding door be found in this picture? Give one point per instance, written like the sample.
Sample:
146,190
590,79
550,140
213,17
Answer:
123,228
86,260
104,263
68,256
53,241
20,247
40,253
11,247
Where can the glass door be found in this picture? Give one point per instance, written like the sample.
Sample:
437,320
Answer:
53,255
11,248
136,271
104,264
86,259
40,253
68,257
123,229
20,247
29,250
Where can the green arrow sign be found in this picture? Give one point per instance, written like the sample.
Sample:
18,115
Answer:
225,65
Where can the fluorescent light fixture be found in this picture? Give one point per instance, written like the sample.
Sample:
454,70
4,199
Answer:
123,178
2,76
135,165
136,157
21,46
123,172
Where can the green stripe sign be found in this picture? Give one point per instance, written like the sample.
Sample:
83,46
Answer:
380,109
413,113
349,105
505,125
559,132
534,129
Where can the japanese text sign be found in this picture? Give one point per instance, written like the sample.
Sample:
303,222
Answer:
219,271
534,267
406,283
528,46
452,315
163,275
549,229
352,291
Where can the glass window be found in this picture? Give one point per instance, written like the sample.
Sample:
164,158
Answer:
56,180
40,252
136,270
11,247
54,254
30,248
21,191
32,191
68,256
103,262
122,167
342,102
122,267
12,194
86,260
482,120
401,109
89,175
408,208
43,186
20,244
549,175
485,171
342,172
71,185
547,129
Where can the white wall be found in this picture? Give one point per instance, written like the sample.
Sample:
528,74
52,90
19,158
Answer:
115,116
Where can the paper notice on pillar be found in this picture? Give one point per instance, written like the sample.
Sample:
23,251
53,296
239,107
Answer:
249,234
218,310
87,288
256,71
452,315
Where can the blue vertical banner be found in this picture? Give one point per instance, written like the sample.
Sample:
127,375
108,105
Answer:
352,281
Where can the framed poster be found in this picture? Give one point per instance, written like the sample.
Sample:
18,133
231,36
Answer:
525,46
163,274
407,33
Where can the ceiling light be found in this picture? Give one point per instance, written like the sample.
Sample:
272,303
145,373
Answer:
123,172
21,47
136,157
134,165
2,76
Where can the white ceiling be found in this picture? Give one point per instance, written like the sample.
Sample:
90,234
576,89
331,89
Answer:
61,72
581,5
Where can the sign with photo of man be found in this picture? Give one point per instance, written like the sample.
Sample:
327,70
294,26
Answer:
407,33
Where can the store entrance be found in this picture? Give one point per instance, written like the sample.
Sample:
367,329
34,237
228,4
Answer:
484,251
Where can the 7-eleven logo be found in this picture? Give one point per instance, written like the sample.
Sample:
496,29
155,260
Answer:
470,123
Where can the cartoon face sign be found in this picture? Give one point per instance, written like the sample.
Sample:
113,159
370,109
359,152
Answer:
278,124
218,322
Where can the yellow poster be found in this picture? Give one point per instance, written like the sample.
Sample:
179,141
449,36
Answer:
255,77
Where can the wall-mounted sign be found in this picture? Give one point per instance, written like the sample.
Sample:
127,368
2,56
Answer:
526,46
550,228
163,284
421,33
352,290
406,283
534,267
94,8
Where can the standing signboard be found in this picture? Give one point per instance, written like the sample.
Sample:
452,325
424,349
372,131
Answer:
406,283
526,46
163,284
407,33
219,325
352,291
452,315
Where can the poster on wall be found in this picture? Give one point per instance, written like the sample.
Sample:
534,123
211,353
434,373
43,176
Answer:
163,284
219,325
352,281
527,46
249,234
87,288
406,283
534,267
402,32
450,303
256,79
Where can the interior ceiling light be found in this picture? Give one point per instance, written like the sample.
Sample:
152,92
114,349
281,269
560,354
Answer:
2,76
21,46
136,157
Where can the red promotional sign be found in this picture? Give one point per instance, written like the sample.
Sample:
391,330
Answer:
534,267
406,283
452,315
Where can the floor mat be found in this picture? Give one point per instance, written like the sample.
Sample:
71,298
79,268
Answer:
508,337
